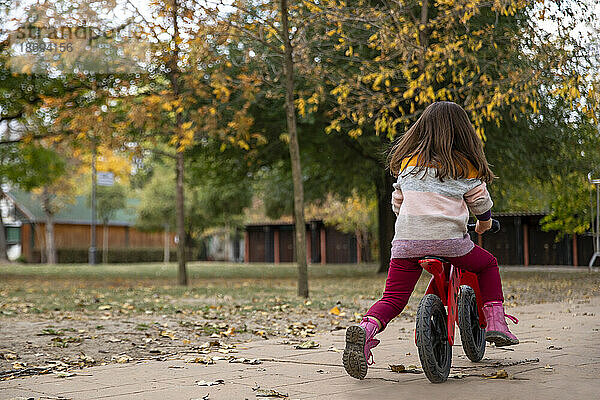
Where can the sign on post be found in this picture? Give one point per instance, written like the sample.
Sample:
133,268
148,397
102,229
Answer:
105,178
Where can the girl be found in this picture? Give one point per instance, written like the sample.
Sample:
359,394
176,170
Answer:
442,175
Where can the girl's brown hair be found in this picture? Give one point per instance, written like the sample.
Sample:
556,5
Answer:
443,138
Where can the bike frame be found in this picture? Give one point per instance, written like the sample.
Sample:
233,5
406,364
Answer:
445,283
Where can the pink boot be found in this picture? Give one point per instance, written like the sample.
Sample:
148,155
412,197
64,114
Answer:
497,329
359,342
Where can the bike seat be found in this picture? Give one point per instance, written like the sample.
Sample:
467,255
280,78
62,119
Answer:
435,258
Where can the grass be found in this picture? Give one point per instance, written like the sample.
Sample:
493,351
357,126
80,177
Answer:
196,270
150,288
221,289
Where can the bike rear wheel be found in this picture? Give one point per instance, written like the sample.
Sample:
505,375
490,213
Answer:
435,352
471,333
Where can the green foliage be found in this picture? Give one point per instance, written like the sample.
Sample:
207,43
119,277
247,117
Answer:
109,200
217,190
31,166
157,200
570,205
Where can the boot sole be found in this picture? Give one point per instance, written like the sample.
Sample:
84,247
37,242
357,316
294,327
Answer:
354,358
500,339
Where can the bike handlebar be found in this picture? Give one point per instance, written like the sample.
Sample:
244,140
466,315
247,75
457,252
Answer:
494,229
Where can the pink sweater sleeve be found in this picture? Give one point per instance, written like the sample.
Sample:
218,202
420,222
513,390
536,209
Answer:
478,199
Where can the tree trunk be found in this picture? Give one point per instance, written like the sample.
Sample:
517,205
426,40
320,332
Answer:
288,68
174,76
3,244
181,272
386,218
47,207
50,250
167,252
105,243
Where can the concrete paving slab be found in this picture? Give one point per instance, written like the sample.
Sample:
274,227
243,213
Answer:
558,358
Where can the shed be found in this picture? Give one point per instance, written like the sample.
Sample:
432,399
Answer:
72,231
273,242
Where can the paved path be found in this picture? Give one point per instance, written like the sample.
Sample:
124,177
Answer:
565,337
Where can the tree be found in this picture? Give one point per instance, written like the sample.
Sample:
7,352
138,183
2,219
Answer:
351,215
273,38
110,199
288,69
218,190
44,172
493,58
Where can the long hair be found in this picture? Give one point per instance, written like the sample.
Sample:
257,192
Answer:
442,138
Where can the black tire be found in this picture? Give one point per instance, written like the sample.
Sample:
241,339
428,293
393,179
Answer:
435,352
471,333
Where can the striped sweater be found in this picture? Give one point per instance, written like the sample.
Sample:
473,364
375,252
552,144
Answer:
432,215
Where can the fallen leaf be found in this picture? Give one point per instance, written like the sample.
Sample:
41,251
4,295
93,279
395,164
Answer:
50,331
500,374
105,307
121,359
397,368
63,374
401,369
554,347
18,365
309,344
168,333
210,383
270,393
335,311
201,360
229,332
9,356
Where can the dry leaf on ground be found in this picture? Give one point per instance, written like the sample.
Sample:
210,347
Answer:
309,344
500,374
270,393
401,369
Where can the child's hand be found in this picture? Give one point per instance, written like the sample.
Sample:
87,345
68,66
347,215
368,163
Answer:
397,198
482,226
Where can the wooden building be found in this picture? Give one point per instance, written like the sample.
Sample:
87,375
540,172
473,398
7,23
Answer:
521,241
274,243
72,232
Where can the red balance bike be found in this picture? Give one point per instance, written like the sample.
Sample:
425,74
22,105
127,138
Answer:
458,291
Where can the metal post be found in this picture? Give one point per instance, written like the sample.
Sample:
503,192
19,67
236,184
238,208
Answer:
597,228
92,251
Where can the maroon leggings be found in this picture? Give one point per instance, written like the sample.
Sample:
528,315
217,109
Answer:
405,272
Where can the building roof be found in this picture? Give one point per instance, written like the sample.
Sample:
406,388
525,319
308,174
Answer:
76,213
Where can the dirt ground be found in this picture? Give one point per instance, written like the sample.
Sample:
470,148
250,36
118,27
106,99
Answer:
52,324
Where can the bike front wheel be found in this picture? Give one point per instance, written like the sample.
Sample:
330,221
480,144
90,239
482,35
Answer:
435,351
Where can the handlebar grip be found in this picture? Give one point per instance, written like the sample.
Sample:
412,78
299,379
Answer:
494,229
